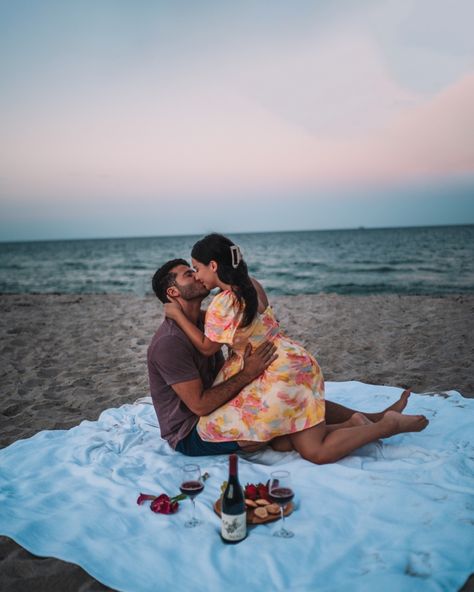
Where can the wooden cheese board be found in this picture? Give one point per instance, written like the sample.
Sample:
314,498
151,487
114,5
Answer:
253,519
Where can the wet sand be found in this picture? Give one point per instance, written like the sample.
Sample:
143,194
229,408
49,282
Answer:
65,358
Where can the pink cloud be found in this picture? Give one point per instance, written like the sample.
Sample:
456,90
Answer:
214,140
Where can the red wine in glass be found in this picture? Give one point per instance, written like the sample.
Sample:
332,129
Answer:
282,495
192,488
191,485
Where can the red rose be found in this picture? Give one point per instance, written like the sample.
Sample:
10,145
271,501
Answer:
163,505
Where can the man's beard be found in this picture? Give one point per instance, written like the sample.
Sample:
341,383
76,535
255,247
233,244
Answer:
193,292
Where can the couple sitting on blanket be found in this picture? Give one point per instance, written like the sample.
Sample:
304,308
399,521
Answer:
269,391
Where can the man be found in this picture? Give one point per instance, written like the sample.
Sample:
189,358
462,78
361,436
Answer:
181,378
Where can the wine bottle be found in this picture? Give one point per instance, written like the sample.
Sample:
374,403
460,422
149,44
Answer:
233,513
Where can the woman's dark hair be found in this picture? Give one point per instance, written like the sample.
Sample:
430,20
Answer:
231,269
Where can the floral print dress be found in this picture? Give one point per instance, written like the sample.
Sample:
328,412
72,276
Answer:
288,397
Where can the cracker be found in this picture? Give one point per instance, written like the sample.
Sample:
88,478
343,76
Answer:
261,512
273,509
250,503
262,502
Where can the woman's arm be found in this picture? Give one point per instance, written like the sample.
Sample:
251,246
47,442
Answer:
196,336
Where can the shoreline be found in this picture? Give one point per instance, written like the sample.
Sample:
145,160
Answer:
66,358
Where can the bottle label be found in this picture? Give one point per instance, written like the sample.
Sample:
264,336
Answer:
234,528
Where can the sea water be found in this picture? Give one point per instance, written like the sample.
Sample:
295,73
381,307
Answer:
423,260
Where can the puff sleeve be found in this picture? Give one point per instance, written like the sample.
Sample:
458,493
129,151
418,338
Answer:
223,317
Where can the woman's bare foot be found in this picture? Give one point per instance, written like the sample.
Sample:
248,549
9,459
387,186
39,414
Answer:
401,403
397,423
358,419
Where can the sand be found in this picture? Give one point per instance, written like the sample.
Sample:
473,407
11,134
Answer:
65,358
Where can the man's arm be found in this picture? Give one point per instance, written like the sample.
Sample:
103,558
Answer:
202,402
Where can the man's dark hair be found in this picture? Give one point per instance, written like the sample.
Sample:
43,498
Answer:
164,278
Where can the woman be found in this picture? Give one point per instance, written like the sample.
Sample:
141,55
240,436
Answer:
285,404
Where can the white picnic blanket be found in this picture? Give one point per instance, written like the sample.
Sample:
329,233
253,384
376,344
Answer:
396,515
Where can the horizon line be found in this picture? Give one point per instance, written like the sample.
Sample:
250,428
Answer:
104,238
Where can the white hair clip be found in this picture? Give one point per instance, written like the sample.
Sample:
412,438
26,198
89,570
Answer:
236,255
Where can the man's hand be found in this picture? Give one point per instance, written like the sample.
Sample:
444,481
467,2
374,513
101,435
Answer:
172,310
258,361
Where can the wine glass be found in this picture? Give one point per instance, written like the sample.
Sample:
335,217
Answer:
281,492
191,485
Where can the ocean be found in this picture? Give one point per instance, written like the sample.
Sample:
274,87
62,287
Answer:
416,260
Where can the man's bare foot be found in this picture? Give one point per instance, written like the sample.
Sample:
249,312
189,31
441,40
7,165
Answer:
358,419
400,404
397,423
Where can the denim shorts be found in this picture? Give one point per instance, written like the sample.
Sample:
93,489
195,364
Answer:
192,445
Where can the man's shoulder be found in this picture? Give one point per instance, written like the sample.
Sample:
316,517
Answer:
172,356
169,335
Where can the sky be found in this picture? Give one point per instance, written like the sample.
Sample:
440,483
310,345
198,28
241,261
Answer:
146,118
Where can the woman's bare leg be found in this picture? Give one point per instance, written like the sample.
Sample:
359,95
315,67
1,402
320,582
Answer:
356,419
398,406
337,414
250,446
321,446
282,444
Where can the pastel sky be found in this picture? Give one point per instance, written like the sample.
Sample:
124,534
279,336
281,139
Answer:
133,118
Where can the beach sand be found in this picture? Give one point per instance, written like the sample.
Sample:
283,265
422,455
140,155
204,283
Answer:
66,358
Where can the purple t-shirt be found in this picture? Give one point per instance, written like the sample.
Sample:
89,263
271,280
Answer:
172,359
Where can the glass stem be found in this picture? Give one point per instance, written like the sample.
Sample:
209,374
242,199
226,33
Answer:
194,509
282,518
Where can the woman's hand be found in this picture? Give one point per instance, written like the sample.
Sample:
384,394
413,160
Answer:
173,310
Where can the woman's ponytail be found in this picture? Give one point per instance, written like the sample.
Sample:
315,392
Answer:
246,292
